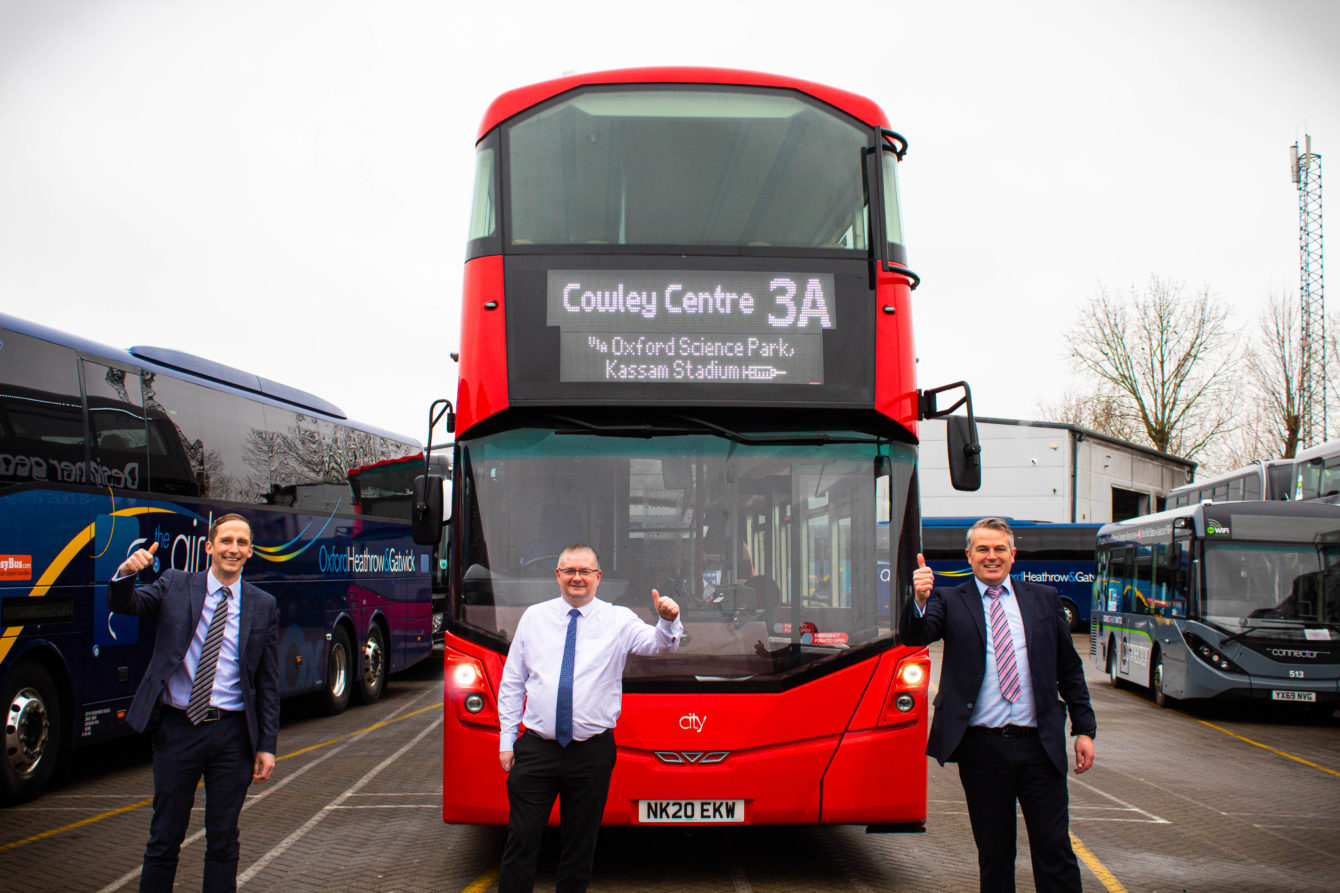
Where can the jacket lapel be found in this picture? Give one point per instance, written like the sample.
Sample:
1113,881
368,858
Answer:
1027,605
972,603
243,626
197,592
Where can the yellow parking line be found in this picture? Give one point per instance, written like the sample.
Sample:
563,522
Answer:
1140,697
133,806
370,728
79,824
1273,750
483,882
1098,868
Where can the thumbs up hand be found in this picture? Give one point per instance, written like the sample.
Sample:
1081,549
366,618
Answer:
923,581
138,561
667,607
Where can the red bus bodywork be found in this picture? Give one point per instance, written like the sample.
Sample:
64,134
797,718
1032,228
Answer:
835,749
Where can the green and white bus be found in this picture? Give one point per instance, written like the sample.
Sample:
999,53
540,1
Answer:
1222,600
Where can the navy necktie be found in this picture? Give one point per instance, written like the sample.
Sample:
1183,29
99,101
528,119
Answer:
203,685
563,713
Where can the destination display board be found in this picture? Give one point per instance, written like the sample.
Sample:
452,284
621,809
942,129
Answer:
657,326
706,335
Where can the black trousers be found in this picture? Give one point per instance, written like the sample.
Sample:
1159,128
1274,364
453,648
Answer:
219,752
579,776
996,772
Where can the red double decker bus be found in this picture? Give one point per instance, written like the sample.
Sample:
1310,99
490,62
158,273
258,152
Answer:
687,341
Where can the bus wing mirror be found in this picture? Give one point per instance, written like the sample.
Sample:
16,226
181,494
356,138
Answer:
430,509
965,453
965,450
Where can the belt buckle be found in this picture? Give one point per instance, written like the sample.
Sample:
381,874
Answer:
211,715
1012,731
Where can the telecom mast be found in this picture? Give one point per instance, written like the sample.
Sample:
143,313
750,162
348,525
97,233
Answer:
1307,177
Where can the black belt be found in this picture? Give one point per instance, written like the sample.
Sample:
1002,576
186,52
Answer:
1006,731
212,714
538,737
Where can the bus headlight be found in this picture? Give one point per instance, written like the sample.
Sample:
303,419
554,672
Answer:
474,703
1209,654
465,676
912,674
905,703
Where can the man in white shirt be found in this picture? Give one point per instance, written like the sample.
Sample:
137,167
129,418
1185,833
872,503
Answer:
565,666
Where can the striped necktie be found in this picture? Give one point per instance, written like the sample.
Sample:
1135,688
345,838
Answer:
1003,643
203,685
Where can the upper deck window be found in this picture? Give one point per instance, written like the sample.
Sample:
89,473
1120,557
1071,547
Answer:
680,167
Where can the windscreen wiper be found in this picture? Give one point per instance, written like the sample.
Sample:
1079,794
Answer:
644,431
701,426
1278,624
817,439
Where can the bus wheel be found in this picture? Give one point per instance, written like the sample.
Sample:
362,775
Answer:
338,672
32,733
1071,615
1112,664
1156,680
372,667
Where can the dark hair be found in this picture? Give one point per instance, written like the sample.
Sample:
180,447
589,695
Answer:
224,519
999,524
581,547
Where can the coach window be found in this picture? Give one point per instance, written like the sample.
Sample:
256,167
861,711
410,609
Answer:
1177,570
41,416
1144,581
1160,597
1116,582
306,471
483,237
686,167
117,454
1251,488
222,434
1101,583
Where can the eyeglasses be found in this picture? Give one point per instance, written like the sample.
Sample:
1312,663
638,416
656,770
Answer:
585,573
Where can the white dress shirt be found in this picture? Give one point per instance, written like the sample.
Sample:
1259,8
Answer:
606,635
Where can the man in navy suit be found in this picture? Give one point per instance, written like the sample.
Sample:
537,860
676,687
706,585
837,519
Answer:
210,695
1007,656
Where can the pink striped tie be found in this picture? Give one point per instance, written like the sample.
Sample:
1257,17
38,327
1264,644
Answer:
1003,643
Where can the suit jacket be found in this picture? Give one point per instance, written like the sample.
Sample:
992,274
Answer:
177,598
957,616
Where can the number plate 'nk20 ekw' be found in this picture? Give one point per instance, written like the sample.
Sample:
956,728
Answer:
695,811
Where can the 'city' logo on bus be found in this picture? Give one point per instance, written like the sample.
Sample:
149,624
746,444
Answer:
692,721
1214,528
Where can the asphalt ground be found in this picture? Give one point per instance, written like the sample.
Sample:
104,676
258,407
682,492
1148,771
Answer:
1194,798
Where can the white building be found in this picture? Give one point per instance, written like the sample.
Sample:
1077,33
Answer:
1048,471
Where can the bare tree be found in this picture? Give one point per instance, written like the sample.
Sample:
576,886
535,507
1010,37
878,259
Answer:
1101,412
1275,373
1164,356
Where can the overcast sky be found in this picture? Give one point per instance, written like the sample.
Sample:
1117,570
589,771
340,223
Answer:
283,186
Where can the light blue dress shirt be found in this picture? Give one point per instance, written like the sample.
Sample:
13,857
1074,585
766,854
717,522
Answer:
227,692
991,708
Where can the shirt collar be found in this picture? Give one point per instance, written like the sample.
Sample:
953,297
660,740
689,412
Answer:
212,584
585,610
1006,583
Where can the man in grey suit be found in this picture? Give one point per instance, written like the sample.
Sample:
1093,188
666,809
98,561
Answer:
210,696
